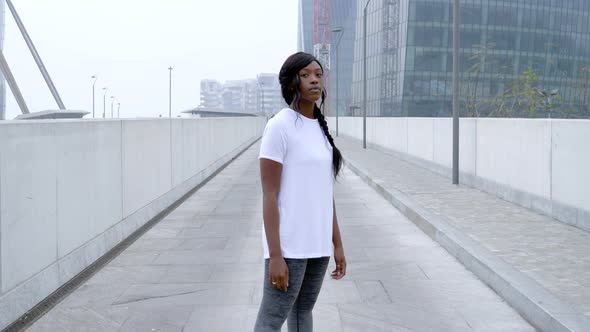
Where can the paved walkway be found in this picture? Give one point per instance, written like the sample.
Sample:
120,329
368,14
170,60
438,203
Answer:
201,269
554,254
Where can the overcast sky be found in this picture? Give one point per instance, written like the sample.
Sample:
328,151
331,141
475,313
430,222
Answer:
129,45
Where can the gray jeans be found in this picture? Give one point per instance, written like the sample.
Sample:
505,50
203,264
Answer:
295,305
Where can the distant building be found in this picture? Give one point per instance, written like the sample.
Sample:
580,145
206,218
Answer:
240,96
270,98
251,96
211,95
234,96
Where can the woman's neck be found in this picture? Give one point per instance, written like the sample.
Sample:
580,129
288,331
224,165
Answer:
306,108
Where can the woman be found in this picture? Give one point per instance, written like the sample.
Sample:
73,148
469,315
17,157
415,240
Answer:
298,165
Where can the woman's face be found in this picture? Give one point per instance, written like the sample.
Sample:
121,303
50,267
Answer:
311,82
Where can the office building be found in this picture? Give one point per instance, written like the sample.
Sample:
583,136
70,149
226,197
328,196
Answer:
341,37
211,95
252,96
409,55
270,98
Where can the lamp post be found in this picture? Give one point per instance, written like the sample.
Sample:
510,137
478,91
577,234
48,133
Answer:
118,110
586,71
170,94
338,29
365,74
112,101
456,92
93,84
104,101
547,95
261,89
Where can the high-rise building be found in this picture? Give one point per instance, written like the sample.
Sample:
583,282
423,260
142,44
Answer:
342,54
270,98
305,26
251,96
342,21
254,96
234,93
211,95
409,55
240,96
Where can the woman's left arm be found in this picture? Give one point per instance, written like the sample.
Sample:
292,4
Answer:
340,270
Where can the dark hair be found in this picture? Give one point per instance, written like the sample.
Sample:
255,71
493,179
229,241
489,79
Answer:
289,79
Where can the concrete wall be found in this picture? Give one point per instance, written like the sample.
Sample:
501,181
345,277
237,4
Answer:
71,190
540,164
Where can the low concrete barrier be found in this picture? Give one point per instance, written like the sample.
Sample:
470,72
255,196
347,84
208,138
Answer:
70,190
541,164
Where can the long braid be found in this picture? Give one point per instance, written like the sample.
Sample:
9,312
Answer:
336,155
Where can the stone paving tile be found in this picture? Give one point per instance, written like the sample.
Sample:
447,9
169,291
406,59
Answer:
186,274
201,268
553,253
171,318
74,320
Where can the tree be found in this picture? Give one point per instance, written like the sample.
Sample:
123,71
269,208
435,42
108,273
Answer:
499,105
473,102
525,94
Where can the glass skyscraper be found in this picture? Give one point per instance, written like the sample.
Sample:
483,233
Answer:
343,17
305,26
506,45
342,54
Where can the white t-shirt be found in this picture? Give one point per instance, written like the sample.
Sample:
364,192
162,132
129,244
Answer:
306,189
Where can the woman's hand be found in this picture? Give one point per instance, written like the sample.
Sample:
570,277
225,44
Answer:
278,273
340,270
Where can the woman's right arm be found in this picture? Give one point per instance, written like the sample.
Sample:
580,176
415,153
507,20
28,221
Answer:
270,173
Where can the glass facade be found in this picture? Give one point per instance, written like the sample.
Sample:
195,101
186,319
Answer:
342,54
305,27
386,48
506,47
343,16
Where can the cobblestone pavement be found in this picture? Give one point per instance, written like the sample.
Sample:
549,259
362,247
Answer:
553,253
201,269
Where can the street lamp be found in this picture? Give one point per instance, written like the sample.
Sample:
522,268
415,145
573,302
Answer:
118,110
338,29
112,101
585,69
93,84
548,95
261,89
104,101
456,39
170,95
365,74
